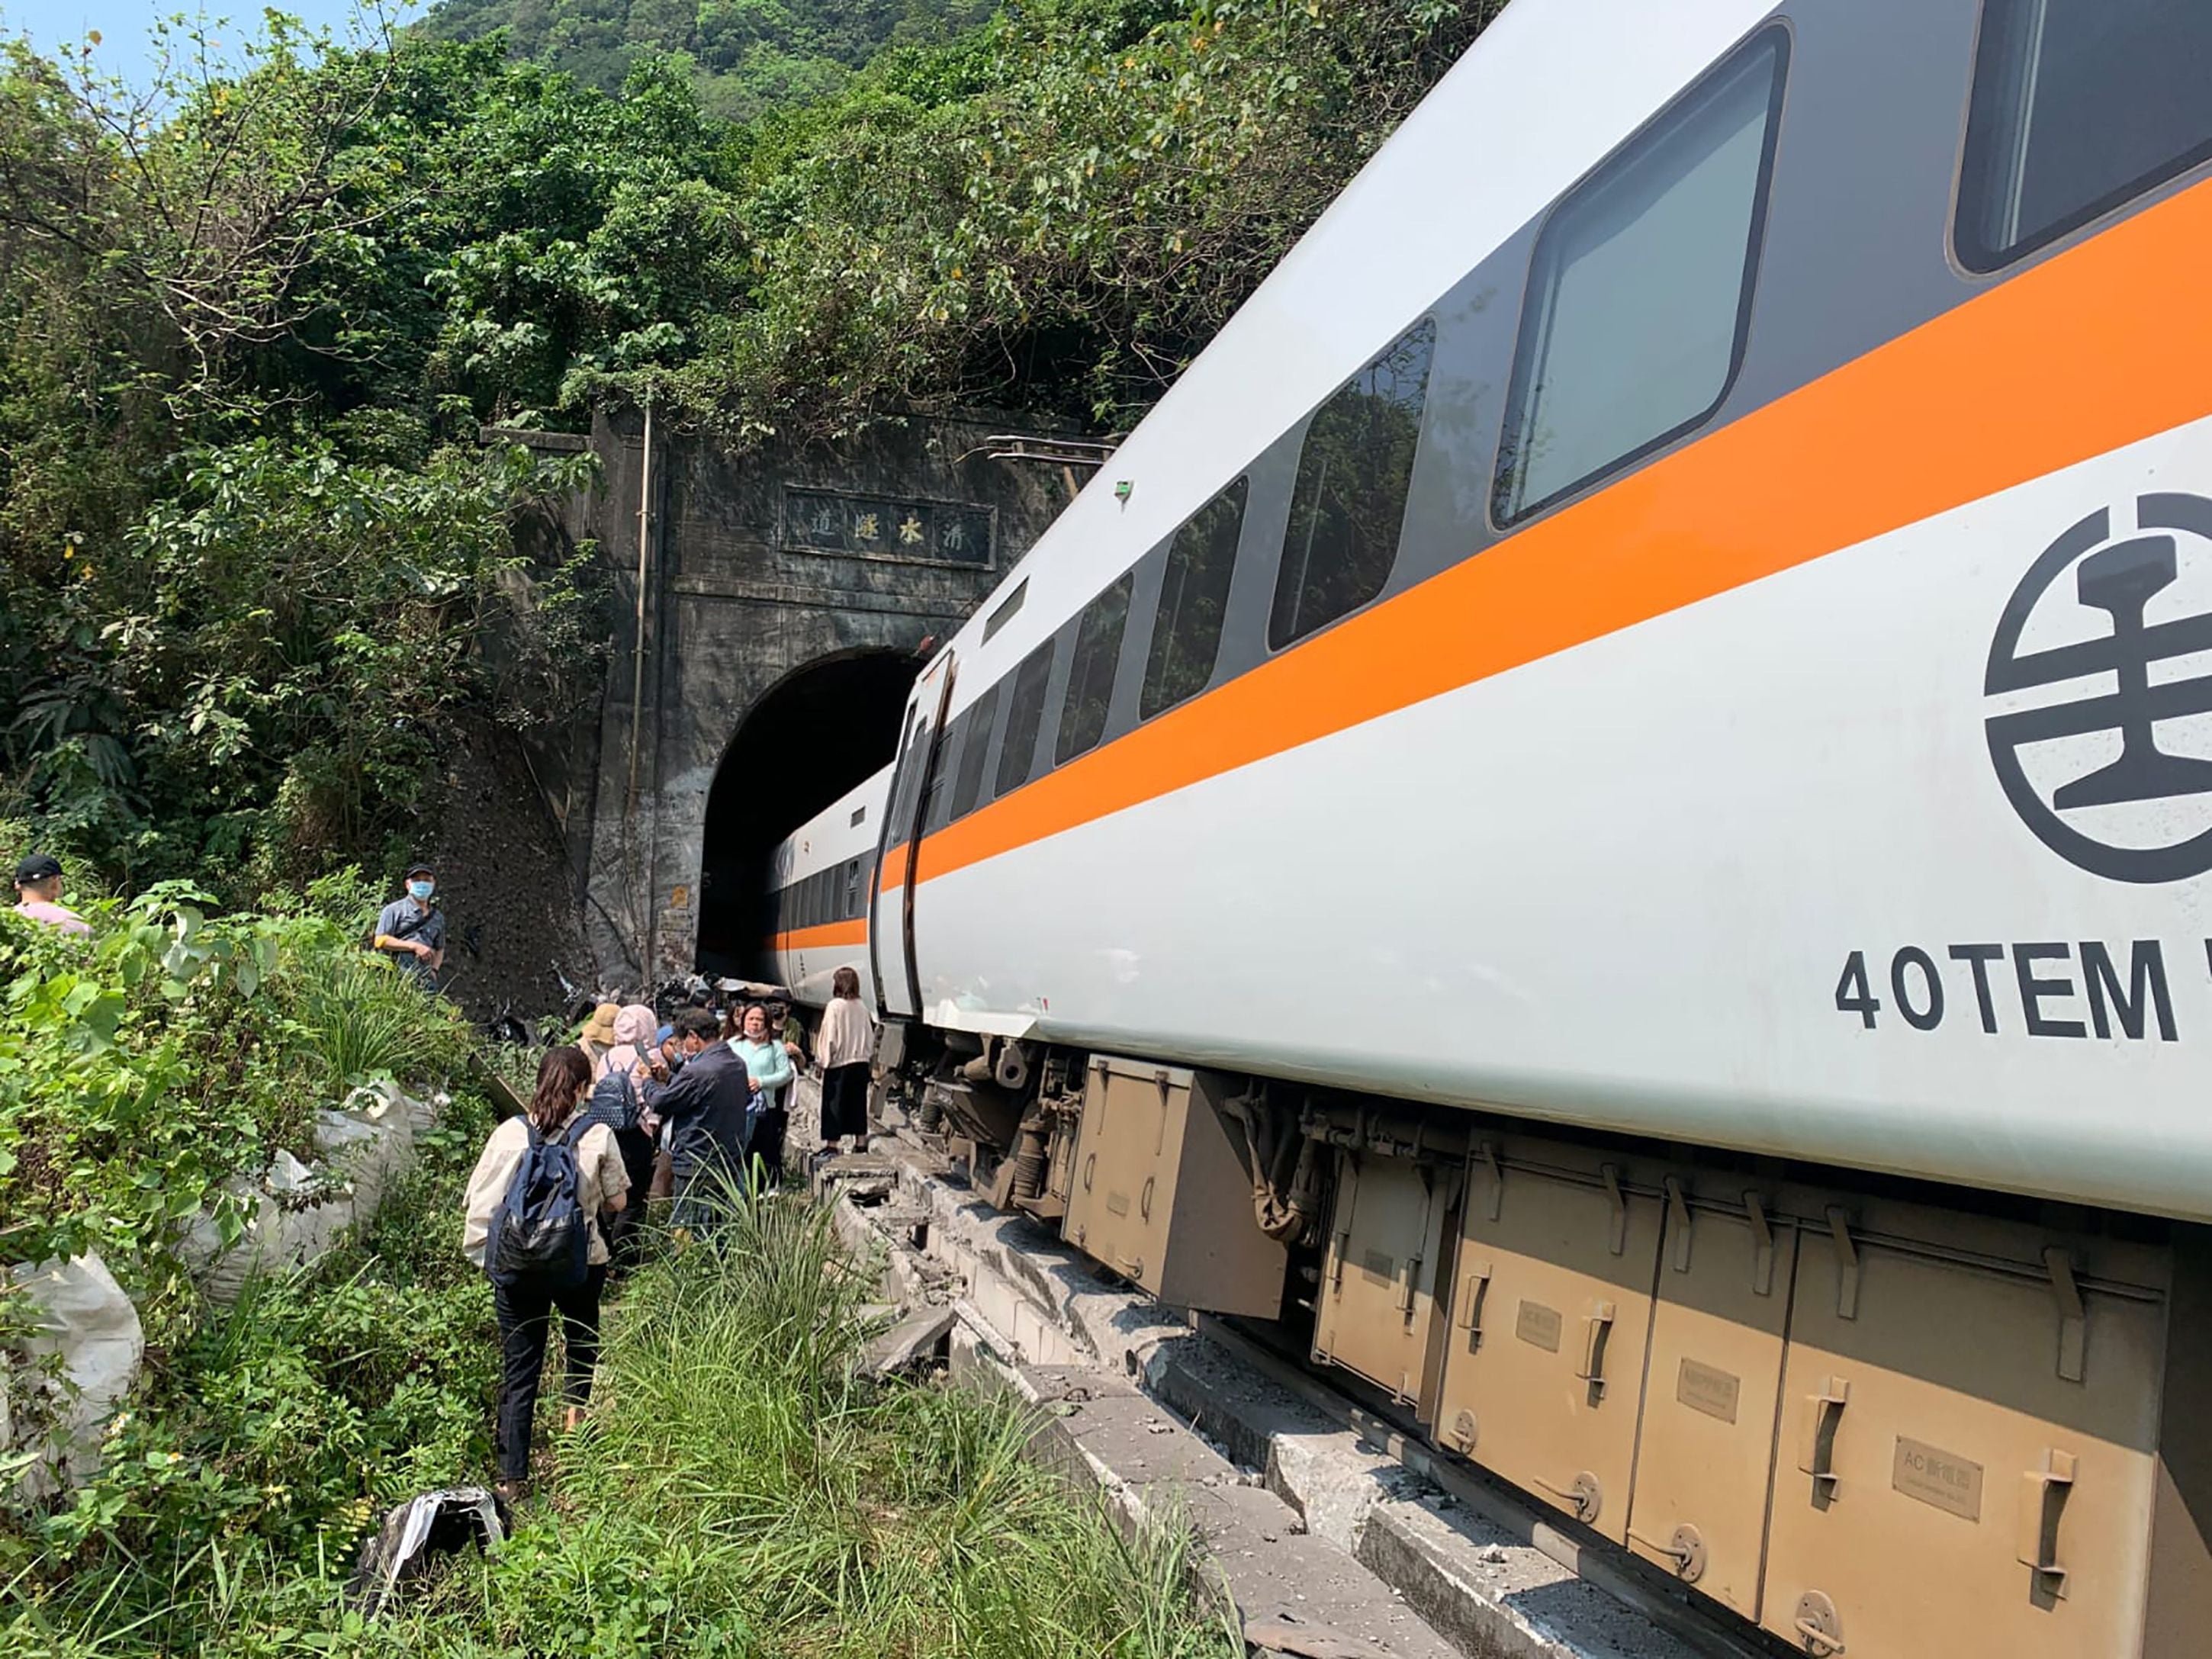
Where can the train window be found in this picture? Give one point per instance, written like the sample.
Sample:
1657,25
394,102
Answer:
1090,671
1023,715
852,907
2077,105
902,774
1009,608
936,792
1355,467
1194,596
1640,293
968,784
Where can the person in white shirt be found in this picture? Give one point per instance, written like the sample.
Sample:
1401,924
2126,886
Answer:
525,1306
845,1049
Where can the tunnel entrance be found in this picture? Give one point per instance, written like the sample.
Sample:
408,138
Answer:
812,736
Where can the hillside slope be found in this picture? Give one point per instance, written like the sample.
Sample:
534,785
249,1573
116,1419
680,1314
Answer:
749,54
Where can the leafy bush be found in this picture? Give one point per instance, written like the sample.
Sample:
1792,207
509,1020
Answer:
141,1070
272,1438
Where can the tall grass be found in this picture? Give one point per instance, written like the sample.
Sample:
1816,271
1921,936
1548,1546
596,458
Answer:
740,1491
359,1018
808,1511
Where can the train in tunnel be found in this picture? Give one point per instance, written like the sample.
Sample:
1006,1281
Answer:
1604,815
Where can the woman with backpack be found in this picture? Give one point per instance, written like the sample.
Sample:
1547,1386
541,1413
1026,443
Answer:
533,1226
620,1079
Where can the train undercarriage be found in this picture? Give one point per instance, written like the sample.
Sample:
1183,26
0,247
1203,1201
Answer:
1860,1414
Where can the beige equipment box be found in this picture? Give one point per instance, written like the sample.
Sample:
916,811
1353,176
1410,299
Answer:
1376,1312
1968,1441
1544,1364
1161,1192
1873,1427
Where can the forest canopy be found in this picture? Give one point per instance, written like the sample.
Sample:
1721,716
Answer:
250,327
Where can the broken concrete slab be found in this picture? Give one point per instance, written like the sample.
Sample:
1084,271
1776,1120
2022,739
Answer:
913,1342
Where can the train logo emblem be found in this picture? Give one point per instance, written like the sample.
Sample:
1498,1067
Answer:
2099,683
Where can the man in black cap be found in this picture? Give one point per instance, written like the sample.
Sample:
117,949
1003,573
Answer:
38,893
412,931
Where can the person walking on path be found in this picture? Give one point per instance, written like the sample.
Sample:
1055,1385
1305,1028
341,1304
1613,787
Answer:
550,1139
760,1048
845,1049
39,894
621,1078
411,930
632,1026
598,1037
706,1108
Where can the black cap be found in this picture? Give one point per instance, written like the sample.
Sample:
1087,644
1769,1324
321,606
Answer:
38,867
417,868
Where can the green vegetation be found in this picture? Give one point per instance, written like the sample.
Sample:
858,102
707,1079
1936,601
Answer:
142,1070
248,542
748,56
739,1490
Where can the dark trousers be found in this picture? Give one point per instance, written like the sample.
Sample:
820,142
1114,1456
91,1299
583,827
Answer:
845,1101
624,1228
526,1310
703,1191
766,1144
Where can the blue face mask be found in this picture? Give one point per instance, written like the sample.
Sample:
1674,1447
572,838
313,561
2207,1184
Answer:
420,891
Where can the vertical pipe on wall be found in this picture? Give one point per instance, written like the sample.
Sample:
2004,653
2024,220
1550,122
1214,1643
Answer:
637,655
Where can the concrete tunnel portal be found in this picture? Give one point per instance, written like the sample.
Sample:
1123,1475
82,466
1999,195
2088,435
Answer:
811,737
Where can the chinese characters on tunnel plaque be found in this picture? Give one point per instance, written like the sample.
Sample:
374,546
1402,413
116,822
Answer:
940,532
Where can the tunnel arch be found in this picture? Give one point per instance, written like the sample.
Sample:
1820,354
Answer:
810,737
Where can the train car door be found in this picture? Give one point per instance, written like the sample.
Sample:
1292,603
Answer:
891,904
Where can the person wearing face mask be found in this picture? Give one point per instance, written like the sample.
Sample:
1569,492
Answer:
759,1044
412,931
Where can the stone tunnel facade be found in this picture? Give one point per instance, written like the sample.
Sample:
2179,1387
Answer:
787,594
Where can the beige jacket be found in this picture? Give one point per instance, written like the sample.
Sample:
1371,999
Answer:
847,1034
600,1177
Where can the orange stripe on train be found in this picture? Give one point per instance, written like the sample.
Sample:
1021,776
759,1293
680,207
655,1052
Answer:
2106,344
855,932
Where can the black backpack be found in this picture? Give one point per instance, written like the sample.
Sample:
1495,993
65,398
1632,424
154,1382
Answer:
539,1229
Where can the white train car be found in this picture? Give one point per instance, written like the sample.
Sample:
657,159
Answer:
818,883
1628,754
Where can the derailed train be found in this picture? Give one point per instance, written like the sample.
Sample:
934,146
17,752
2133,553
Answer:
1606,809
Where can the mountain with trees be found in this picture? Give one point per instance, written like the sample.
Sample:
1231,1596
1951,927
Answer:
748,55
249,329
